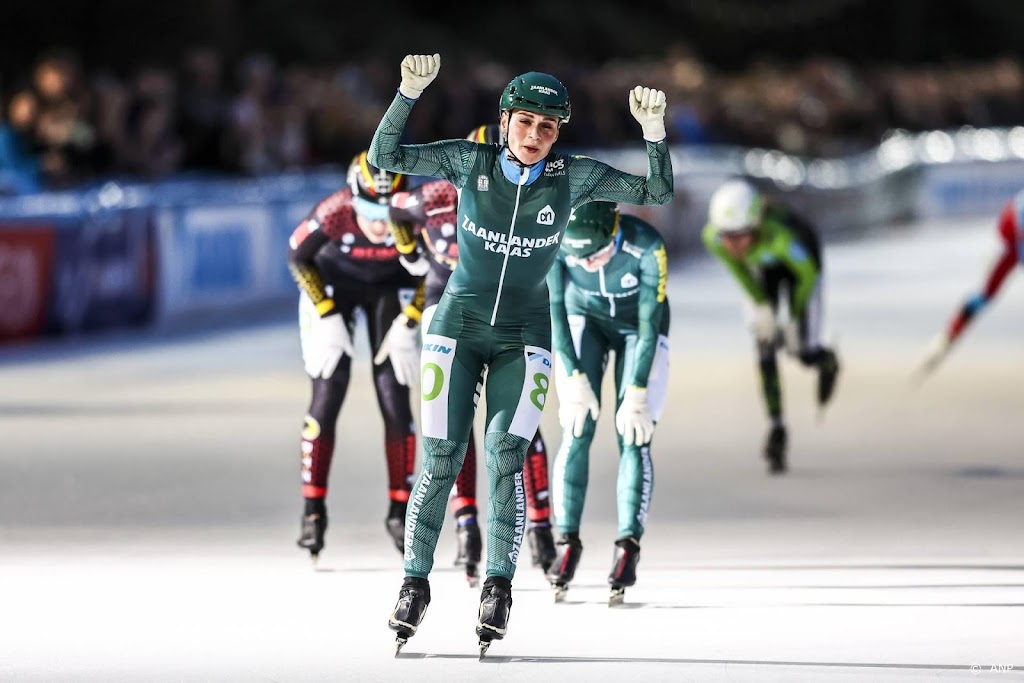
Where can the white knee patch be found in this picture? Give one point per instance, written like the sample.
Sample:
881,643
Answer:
657,381
436,359
536,381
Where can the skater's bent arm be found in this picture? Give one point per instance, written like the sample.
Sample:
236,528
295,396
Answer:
560,335
447,159
303,245
595,180
800,263
651,310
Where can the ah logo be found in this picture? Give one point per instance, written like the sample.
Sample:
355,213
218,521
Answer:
546,216
629,280
483,183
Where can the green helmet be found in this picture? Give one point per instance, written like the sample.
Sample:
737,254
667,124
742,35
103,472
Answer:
539,93
591,228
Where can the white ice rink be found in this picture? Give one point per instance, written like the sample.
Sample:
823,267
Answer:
149,504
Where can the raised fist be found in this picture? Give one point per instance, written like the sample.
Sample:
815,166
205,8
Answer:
647,106
417,73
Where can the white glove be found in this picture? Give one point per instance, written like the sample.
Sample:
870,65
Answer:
763,325
575,400
633,420
648,107
324,343
417,73
415,264
934,354
402,345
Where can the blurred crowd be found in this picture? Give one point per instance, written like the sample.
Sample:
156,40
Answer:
64,125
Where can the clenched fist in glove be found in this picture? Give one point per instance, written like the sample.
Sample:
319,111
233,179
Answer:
417,73
324,341
402,346
648,107
575,400
633,419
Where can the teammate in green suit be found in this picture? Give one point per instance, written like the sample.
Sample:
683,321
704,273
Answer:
514,203
771,252
607,294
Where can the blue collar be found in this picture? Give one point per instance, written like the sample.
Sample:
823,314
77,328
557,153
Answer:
513,171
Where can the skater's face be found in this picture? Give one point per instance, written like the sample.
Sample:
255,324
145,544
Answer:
375,230
738,244
599,259
530,136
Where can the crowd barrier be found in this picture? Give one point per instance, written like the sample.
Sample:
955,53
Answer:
163,253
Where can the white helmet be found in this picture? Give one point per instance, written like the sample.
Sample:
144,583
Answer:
735,207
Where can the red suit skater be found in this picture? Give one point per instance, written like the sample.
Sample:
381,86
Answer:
344,260
1011,252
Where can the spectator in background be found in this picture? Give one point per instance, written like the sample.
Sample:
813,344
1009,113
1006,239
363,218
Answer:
152,148
63,128
202,111
19,166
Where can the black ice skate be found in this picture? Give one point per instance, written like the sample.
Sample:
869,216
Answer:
828,375
563,569
775,449
542,546
396,524
470,547
311,536
495,607
623,574
413,599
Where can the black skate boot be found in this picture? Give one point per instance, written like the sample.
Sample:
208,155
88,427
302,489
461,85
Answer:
828,375
775,449
314,525
542,546
623,574
495,607
396,524
413,599
563,569
470,547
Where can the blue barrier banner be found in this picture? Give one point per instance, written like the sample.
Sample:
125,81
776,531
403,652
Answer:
104,271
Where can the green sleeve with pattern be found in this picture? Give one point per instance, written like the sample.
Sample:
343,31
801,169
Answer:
650,311
789,251
738,269
595,180
560,335
447,159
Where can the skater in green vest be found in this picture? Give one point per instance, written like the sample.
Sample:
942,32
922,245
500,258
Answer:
775,256
607,294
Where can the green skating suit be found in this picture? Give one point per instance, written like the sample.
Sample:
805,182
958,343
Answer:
494,317
622,308
786,258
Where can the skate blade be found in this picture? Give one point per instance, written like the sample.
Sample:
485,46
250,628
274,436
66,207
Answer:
399,644
484,646
314,559
560,593
473,581
617,597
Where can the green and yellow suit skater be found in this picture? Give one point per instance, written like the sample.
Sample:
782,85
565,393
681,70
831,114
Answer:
607,294
772,252
514,203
